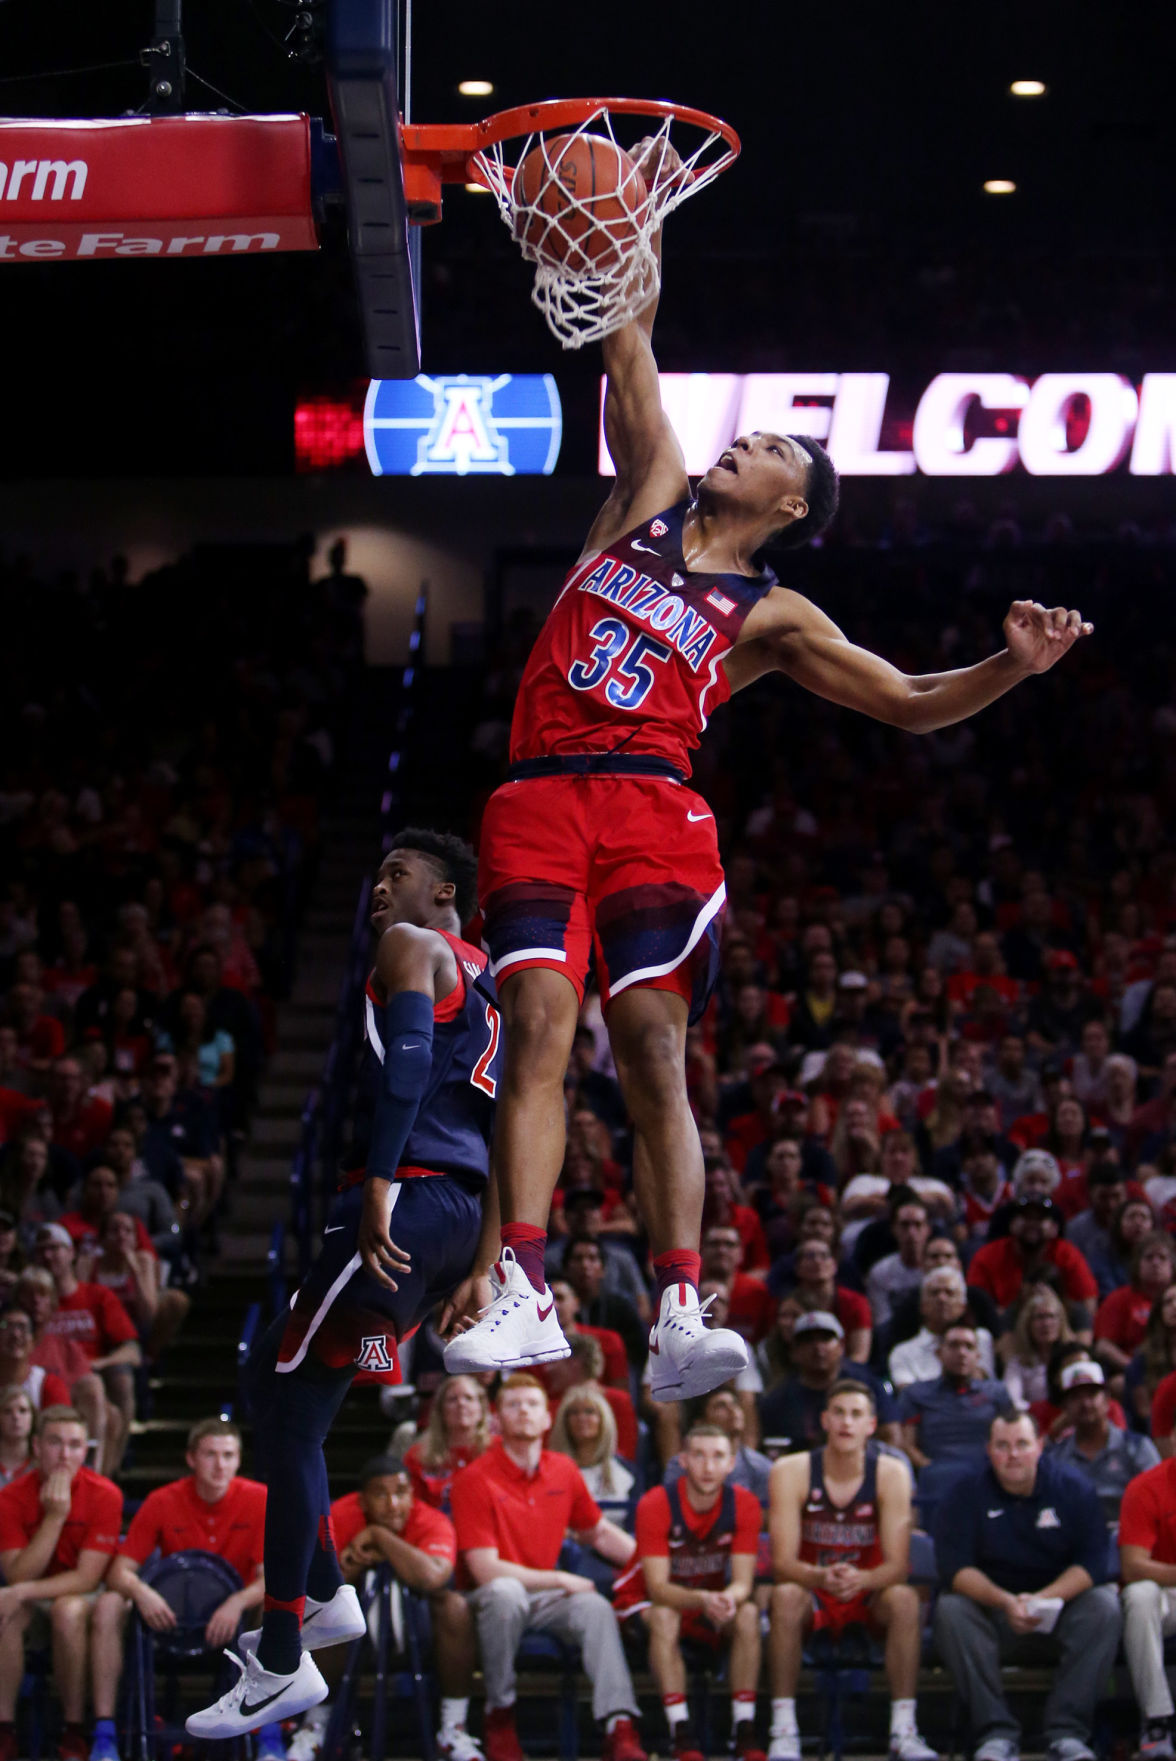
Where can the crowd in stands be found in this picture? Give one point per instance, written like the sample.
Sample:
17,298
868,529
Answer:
936,1091
158,829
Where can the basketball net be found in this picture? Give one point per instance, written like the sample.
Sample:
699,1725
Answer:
584,305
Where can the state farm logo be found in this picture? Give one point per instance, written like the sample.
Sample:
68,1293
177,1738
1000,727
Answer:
43,180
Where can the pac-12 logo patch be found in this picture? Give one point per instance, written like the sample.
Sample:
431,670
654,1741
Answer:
373,1353
658,529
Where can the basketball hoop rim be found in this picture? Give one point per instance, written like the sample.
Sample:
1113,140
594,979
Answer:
452,149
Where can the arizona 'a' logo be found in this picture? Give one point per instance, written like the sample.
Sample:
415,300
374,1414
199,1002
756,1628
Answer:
373,1352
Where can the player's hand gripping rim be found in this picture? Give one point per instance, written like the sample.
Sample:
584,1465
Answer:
377,1250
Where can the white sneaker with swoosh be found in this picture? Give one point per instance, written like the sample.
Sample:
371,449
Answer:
688,1357
259,1697
323,1624
517,1329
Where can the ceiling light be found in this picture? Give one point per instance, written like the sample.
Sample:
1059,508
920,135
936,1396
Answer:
476,88
1028,88
999,186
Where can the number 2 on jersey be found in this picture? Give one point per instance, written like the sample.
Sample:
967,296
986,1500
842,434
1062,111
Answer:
630,677
481,1077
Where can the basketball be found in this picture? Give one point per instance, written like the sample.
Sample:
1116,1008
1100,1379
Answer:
578,203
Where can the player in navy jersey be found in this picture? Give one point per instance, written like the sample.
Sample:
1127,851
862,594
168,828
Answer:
415,1224
594,846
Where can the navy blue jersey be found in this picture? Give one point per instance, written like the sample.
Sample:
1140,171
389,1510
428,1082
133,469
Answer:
452,1130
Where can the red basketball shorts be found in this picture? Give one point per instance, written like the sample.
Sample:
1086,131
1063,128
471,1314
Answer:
621,869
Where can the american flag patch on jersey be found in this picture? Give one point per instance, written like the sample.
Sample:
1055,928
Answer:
720,602
658,529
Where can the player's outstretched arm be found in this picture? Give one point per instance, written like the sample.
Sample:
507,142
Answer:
416,968
799,640
651,470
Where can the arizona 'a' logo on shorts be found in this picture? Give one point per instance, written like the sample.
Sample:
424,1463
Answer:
373,1352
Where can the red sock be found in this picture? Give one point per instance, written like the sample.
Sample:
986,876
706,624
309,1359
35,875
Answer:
528,1245
679,1266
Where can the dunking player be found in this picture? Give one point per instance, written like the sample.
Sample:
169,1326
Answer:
840,1521
595,844
419,1166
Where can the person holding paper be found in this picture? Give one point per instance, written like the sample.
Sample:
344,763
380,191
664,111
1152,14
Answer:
1024,1555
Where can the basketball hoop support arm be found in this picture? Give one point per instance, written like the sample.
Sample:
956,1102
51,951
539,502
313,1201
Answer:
164,60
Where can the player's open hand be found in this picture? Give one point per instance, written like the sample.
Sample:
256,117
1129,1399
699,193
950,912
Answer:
379,1253
462,1309
1038,638
658,161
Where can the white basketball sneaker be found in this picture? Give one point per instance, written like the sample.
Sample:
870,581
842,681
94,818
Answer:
688,1357
260,1697
323,1624
518,1329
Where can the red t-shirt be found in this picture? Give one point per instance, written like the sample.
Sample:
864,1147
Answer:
996,1267
752,1307
43,1040
525,1517
852,1310
15,1108
60,1357
1147,1515
756,1257
431,1485
1163,1407
428,1529
95,1517
44,1388
89,1127
744,1134
84,1232
1122,1318
175,1517
95,1318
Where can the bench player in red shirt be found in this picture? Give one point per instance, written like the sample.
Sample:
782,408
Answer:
595,846
386,1523
212,1510
693,1578
840,1521
58,1528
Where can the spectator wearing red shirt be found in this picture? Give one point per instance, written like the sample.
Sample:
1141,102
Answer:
815,1271
99,1197
95,1318
697,1544
720,1206
1001,1267
59,1526
1147,1550
80,1121
512,1509
211,1510
384,1523
17,1369
36,1295
766,1082
751,1306
1122,1318
616,1365
457,1432
40,1036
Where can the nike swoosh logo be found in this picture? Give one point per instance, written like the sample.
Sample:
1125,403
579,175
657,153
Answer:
996,1513
335,1229
646,547
543,1313
694,816
409,1045
655,1350
252,1706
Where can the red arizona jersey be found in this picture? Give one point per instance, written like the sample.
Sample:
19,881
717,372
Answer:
841,1534
631,653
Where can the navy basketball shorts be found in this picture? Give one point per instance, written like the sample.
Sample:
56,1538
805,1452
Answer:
341,1316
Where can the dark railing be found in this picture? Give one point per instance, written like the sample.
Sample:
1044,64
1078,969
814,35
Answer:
314,1170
